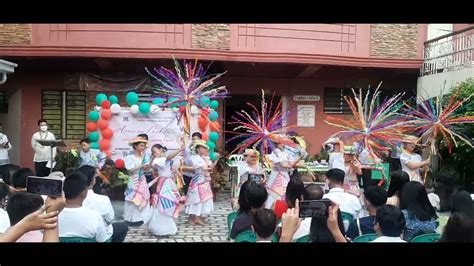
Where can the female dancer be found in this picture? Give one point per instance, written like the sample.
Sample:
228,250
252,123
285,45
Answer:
251,166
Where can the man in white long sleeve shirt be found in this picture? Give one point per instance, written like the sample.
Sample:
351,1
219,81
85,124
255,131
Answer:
5,146
42,153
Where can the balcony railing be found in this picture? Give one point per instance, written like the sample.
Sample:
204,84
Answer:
449,52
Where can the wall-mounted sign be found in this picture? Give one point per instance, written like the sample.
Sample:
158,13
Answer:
306,115
306,98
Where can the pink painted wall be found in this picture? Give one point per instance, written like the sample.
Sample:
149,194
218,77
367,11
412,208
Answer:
325,39
174,36
460,26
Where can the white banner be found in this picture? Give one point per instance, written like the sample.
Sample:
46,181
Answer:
162,128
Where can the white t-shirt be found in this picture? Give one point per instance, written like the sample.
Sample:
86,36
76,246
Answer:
388,239
4,221
103,206
346,201
405,158
82,222
434,200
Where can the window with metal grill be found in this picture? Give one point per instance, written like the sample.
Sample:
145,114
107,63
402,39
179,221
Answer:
65,112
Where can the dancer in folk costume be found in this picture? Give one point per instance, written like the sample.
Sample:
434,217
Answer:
136,207
165,201
199,202
279,177
411,162
251,166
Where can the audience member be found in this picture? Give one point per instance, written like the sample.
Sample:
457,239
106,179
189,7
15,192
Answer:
311,192
389,224
397,181
460,228
264,225
347,202
19,206
294,190
4,219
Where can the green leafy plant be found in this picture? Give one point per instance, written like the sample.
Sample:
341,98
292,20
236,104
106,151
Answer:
66,161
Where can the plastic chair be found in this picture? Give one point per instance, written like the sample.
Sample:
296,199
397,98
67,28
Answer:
303,239
230,221
247,236
426,238
365,238
346,219
76,239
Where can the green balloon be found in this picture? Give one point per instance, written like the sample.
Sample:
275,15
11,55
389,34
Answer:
213,136
205,101
132,98
100,98
94,136
211,144
95,145
214,104
94,116
213,156
213,115
158,101
113,99
174,105
144,108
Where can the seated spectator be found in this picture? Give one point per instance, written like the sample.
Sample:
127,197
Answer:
76,220
461,202
244,206
420,216
347,202
311,192
460,228
256,195
19,206
264,225
374,197
389,224
19,178
100,203
294,190
4,219
397,180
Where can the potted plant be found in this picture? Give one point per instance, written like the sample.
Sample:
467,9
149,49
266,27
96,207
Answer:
67,161
218,177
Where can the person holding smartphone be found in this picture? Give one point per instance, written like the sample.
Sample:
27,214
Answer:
5,146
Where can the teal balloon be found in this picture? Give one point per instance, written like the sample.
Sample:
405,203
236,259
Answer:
174,105
205,101
144,108
158,101
95,145
113,99
213,115
94,116
183,103
94,136
132,98
213,136
211,145
213,156
100,98
214,104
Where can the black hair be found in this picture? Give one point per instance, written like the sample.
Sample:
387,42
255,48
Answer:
319,231
264,223
19,177
336,175
135,145
86,140
42,121
20,204
461,201
196,134
159,146
444,188
74,185
294,190
89,171
4,190
377,196
397,180
143,135
313,192
256,195
415,200
391,220
460,228
244,206
109,162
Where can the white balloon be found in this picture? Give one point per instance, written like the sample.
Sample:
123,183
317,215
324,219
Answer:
134,109
154,109
115,108
174,109
97,108
194,110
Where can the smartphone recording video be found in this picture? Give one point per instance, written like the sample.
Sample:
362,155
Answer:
48,186
256,178
310,208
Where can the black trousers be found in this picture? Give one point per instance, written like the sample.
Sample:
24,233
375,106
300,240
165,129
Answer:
5,173
187,181
41,169
120,232
367,178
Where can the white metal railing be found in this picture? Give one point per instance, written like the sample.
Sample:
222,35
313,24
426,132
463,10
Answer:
449,52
